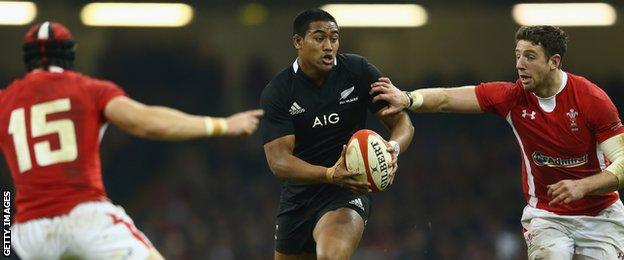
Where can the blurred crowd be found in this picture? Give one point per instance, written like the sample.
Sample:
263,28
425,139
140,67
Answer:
457,194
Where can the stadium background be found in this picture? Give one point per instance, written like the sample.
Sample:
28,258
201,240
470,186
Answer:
457,194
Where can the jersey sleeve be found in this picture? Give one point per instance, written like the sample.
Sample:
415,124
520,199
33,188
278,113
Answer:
365,75
371,75
101,92
104,91
276,121
603,118
497,97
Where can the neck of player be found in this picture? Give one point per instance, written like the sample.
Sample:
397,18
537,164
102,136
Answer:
316,76
550,86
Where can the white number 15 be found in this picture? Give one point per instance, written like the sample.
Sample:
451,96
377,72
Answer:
67,152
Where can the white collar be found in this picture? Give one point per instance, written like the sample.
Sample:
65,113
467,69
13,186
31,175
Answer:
564,81
52,68
295,65
548,104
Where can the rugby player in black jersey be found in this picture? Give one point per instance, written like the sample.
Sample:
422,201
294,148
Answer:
311,110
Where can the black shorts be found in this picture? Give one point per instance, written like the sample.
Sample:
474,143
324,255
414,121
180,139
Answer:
297,217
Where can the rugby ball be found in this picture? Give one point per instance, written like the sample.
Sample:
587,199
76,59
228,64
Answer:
367,153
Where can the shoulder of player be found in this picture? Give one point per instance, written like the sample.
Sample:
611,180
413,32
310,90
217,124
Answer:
18,80
501,92
586,88
279,83
86,80
352,62
504,85
13,84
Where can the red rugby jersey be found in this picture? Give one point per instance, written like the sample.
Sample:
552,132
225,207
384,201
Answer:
558,136
49,134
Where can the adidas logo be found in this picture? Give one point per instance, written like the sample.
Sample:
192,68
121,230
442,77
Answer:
358,203
295,109
345,93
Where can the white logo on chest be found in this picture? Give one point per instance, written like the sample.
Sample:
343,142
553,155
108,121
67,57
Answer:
295,109
525,114
572,114
345,94
324,120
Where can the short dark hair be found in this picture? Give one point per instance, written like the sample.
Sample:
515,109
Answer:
551,38
302,21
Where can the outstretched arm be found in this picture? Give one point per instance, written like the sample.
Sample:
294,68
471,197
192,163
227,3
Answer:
609,180
163,123
456,100
285,165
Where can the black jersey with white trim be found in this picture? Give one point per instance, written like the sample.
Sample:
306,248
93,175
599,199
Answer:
321,118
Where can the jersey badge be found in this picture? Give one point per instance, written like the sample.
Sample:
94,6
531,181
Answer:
345,94
572,114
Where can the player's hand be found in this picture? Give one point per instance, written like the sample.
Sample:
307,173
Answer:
343,178
243,123
566,191
386,91
394,165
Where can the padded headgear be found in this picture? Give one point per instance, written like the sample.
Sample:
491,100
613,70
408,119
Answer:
48,43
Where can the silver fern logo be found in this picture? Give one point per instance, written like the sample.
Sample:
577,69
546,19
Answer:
345,94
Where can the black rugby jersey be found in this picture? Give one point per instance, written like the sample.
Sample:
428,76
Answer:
321,118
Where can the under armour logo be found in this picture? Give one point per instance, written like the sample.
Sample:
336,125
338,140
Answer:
525,114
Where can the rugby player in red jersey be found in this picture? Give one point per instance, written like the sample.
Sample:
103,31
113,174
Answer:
568,130
50,130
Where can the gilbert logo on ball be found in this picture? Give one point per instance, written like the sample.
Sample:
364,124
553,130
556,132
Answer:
367,153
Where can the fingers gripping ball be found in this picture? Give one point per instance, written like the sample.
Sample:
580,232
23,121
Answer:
367,152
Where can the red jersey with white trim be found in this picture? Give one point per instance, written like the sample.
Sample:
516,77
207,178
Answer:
558,136
49,135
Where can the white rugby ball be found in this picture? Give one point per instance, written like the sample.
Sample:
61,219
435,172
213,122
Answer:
367,153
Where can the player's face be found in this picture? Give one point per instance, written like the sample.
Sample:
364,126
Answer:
318,48
532,64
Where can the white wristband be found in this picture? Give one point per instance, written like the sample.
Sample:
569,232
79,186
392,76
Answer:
215,126
209,126
614,150
617,169
395,145
417,100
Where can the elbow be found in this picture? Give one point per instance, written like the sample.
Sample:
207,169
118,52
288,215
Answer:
409,127
444,102
155,131
277,166
141,123
151,129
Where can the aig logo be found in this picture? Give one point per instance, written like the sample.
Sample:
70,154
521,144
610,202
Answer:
326,119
